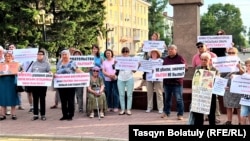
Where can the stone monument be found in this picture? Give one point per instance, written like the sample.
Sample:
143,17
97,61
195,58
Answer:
186,28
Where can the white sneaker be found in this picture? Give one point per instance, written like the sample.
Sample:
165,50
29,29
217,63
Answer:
148,111
160,112
91,115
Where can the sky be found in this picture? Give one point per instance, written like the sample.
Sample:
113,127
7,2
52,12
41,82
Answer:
243,5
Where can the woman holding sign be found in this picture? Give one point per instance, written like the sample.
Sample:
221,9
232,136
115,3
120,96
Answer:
154,84
199,117
67,94
39,92
8,96
231,100
155,36
125,82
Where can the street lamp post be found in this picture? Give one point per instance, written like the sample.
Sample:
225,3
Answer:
44,19
108,30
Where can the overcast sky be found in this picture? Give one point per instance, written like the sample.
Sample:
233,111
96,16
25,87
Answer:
243,5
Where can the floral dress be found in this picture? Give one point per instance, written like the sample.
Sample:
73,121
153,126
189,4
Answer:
91,101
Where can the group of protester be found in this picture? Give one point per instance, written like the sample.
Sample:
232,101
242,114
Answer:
231,101
110,87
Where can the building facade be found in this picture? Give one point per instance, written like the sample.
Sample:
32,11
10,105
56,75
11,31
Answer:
126,24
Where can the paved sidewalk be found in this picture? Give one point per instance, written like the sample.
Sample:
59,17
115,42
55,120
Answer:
113,127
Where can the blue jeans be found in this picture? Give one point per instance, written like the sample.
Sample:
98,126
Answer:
129,85
112,94
175,90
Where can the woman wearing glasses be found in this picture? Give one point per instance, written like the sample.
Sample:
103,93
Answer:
125,82
231,100
96,96
39,92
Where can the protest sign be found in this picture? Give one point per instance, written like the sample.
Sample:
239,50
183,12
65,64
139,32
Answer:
84,61
34,79
9,68
71,80
147,65
149,45
222,41
169,71
219,86
226,64
240,84
202,91
126,63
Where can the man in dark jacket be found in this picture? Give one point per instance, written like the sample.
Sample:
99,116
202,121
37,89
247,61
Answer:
173,86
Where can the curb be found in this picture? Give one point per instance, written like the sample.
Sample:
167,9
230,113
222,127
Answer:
58,138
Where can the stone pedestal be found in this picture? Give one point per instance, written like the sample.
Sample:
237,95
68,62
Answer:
186,26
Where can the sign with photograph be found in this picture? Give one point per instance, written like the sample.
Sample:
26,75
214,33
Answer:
202,90
9,68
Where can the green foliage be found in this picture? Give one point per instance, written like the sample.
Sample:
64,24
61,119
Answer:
226,17
156,18
77,23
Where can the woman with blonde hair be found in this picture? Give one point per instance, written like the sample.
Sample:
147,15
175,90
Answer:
231,101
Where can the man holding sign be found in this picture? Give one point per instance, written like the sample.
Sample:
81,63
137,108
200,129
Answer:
173,86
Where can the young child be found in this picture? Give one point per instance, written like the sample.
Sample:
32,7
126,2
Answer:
245,110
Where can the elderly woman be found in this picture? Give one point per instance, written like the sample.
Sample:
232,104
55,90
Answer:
154,84
199,117
8,96
96,94
39,92
231,100
67,95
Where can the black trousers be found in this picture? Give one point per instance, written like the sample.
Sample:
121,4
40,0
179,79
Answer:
39,96
67,96
199,118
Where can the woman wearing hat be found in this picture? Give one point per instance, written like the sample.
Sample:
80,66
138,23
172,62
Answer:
96,94
154,84
67,95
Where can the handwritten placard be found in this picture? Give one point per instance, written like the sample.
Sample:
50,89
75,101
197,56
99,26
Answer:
219,86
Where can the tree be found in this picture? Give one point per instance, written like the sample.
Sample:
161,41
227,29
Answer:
226,17
77,23
156,18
